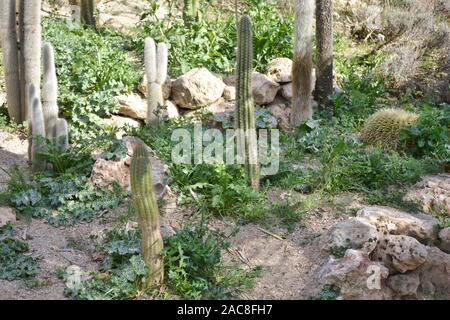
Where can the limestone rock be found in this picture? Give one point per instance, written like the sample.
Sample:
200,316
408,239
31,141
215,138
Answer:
229,93
280,70
392,221
282,113
435,276
353,233
196,89
264,89
105,172
444,237
404,285
433,193
166,87
400,253
132,106
286,91
6,215
356,276
120,122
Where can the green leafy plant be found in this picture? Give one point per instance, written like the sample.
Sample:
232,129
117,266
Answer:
92,69
194,268
15,262
430,136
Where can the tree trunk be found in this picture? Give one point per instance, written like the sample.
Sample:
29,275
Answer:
302,64
324,36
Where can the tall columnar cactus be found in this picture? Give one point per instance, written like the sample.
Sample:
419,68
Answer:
49,90
36,130
87,12
245,110
61,134
30,47
191,10
156,59
22,54
11,64
302,64
146,207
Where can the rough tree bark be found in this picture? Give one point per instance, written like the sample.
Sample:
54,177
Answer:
302,66
324,37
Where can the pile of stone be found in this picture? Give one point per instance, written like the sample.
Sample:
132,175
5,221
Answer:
199,89
388,254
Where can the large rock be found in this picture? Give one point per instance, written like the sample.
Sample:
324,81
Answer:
404,285
280,70
105,172
6,215
264,89
353,233
281,112
222,113
120,122
229,93
132,106
166,87
196,89
356,276
434,275
444,238
400,253
392,221
286,91
432,193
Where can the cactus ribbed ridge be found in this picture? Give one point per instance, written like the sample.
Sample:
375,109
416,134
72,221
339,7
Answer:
245,109
382,128
145,205
155,59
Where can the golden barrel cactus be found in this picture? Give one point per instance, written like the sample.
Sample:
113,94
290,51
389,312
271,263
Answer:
382,129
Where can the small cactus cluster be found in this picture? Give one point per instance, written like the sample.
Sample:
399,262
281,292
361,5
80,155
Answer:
245,109
43,120
156,59
145,205
382,129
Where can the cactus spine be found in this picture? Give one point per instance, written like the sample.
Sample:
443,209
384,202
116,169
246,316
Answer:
22,55
37,130
302,64
30,46
245,110
49,90
156,59
144,202
55,129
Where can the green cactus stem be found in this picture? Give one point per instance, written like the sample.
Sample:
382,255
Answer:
145,205
11,63
49,90
245,109
156,59
37,131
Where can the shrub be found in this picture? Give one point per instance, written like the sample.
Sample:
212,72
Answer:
430,136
